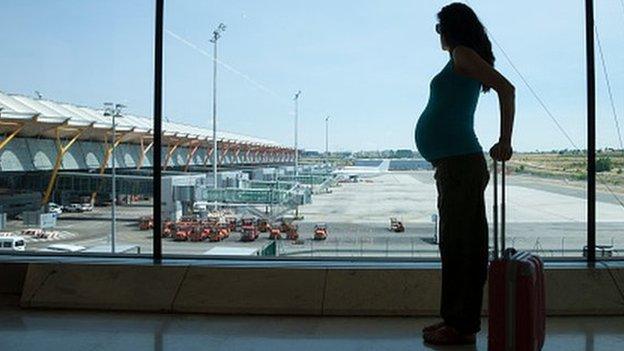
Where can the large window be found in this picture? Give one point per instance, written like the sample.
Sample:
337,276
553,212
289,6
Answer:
59,154
609,113
545,58
364,71
341,82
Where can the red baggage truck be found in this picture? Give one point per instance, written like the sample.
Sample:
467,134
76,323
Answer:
516,306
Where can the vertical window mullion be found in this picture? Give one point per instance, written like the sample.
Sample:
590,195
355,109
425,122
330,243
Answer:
156,164
591,132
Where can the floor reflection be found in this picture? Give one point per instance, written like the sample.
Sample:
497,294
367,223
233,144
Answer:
66,330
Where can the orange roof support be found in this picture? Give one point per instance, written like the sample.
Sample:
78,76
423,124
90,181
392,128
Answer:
208,154
170,151
61,151
190,156
109,150
107,155
237,150
224,151
10,137
144,151
247,152
256,154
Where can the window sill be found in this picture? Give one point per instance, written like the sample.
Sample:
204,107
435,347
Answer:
229,286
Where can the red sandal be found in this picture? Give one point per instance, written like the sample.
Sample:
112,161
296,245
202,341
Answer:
430,328
448,336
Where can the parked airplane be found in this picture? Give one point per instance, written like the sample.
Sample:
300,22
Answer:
356,172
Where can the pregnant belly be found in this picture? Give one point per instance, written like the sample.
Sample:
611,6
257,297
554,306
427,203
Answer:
435,139
425,135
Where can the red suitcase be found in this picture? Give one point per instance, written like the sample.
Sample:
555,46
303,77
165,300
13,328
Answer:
517,318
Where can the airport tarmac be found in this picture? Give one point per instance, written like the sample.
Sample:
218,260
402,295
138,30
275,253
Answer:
541,215
548,216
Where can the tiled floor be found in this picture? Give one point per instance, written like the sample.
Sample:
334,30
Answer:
62,330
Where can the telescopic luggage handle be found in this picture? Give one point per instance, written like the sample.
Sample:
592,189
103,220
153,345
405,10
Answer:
496,207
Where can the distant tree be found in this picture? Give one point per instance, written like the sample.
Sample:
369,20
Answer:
580,176
387,154
604,164
404,153
343,154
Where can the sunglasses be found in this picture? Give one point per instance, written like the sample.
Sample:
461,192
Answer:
438,28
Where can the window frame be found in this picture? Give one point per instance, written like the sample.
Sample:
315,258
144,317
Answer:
157,252
591,135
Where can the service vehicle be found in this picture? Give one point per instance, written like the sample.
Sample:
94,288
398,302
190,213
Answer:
249,233
55,208
231,221
396,225
168,229
73,208
146,223
12,243
320,231
183,232
197,234
290,230
263,225
200,206
274,233
247,221
219,232
224,229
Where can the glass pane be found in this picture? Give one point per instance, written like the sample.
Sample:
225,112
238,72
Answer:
364,70
56,154
610,156
546,178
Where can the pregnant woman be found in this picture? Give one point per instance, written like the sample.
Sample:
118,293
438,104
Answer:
445,137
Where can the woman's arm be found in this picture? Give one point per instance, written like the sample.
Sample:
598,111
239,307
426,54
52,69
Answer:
468,63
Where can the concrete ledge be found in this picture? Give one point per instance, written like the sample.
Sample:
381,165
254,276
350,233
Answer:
289,291
105,287
397,292
251,291
584,292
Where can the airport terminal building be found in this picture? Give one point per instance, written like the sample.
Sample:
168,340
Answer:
59,152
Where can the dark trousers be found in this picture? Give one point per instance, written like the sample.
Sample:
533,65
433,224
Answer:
461,182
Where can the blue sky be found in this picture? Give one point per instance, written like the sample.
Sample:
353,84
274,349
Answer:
365,63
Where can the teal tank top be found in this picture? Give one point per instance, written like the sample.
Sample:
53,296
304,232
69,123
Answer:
446,126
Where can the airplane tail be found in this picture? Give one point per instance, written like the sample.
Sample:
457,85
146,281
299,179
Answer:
384,166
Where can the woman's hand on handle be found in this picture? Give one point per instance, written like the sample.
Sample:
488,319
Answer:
501,151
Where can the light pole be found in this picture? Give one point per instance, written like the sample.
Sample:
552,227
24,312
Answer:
327,139
114,111
296,99
216,34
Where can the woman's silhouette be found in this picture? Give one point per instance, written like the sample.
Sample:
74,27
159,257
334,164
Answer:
445,136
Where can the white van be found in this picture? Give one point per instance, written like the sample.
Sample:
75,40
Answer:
54,208
200,206
12,243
